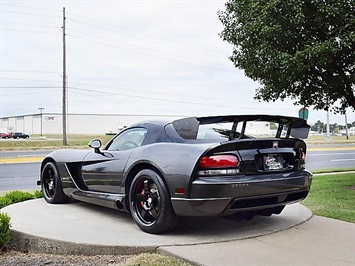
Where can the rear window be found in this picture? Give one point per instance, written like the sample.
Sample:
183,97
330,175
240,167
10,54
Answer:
218,131
224,131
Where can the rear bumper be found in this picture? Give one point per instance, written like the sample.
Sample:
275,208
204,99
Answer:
219,197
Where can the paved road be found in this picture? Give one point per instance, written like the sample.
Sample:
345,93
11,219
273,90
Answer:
19,176
41,153
330,159
23,176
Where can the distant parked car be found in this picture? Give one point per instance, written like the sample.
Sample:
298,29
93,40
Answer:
20,135
5,135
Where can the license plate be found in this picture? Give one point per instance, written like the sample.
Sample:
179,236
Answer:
273,162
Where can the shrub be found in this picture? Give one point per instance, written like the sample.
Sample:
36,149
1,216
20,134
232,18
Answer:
4,202
38,194
5,225
19,196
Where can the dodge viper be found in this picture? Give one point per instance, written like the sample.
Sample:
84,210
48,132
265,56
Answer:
163,171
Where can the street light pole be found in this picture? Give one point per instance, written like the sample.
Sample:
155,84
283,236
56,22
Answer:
41,110
328,129
64,105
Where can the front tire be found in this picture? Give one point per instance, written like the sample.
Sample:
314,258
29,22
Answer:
150,204
51,185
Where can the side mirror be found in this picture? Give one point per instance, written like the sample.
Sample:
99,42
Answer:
96,145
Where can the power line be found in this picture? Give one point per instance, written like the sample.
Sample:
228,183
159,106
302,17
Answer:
158,56
23,24
29,14
29,71
30,7
144,91
145,97
40,80
113,28
164,100
30,31
141,48
107,87
29,87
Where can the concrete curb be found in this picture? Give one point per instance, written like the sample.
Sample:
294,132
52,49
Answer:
80,228
26,242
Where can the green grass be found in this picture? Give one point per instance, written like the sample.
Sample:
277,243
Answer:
333,170
333,196
332,140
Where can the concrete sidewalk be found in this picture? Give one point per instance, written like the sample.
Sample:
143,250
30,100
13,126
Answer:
318,241
292,238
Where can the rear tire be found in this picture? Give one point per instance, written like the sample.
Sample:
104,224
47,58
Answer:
51,185
149,203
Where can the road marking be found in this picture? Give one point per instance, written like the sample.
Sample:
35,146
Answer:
4,179
20,160
351,148
330,154
340,160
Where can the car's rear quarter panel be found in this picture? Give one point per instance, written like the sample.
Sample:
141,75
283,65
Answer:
176,162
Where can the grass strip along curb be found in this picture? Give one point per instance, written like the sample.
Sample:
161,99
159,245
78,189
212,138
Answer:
332,195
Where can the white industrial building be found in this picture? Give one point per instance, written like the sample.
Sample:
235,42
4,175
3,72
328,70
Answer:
51,123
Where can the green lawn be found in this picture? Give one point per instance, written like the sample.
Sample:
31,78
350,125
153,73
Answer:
333,196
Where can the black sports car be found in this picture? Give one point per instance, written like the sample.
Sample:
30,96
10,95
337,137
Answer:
206,166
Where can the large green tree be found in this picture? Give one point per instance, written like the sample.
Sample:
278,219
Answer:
298,49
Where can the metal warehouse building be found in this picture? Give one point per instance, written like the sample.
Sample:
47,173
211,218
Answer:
51,123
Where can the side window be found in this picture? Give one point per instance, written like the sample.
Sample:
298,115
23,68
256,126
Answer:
128,139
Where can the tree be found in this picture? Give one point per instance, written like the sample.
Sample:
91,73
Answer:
319,127
300,49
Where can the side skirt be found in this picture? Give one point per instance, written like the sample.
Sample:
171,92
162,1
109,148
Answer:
113,201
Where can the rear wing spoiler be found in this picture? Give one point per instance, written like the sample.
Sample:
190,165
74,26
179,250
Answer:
293,126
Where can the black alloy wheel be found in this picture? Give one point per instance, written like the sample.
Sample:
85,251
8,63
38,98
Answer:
51,185
150,204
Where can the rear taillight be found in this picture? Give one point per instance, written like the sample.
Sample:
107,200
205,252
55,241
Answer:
302,158
223,164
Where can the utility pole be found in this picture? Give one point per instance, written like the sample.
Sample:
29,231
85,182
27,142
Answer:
41,110
64,105
346,126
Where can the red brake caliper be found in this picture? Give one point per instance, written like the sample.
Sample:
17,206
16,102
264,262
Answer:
142,193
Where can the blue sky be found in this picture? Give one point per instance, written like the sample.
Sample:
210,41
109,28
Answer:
125,57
